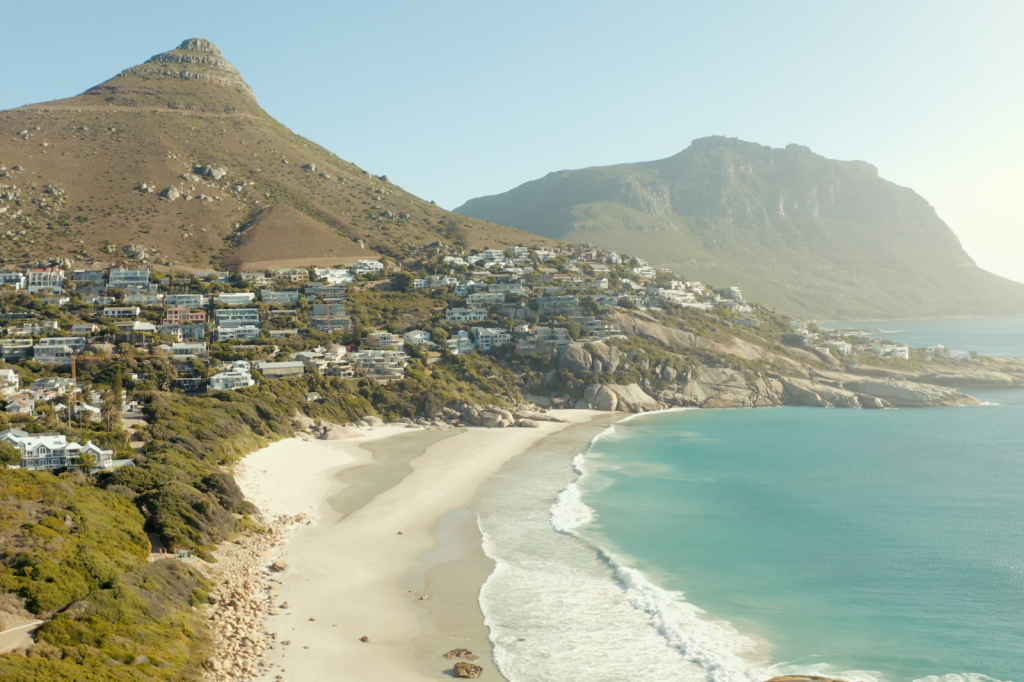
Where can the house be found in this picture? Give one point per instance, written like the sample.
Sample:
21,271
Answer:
15,280
465,315
543,340
189,384
334,275
9,381
520,251
237,317
121,312
257,279
329,316
384,340
53,450
121,278
59,301
368,267
20,405
556,302
185,351
286,298
184,332
731,293
57,350
460,343
292,274
329,290
490,337
187,300
46,279
417,337
467,287
145,300
238,375
37,328
84,329
483,299
282,333
95,299
136,326
274,370
13,350
182,315
379,365
245,332
240,298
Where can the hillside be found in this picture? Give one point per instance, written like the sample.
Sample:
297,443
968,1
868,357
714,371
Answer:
808,235
176,155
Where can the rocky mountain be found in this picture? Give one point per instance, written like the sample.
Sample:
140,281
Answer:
174,161
809,235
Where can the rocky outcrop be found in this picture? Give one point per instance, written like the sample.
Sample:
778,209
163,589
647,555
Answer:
910,394
975,379
649,329
805,392
725,387
336,432
605,358
575,358
619,398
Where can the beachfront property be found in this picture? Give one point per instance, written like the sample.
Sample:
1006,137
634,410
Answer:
237,375
380,365
285,298
465,315
42,451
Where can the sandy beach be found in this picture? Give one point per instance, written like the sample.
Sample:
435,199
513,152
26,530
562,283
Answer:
391,553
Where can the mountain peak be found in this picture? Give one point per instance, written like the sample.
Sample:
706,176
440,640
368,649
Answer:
195,59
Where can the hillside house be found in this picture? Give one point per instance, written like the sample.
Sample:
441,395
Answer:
187,300
292,274
465,315
181,315
237,375
10,382
490,337
41,451
45,279
121,312
235,299
276,370
285,298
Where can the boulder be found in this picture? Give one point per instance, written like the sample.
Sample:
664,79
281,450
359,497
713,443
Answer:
170,193
463,669
373,421
668,374
214,172
311,167
336,432
609,356
575,359
527,424
461,653
804,392
490,420
601,397
631,398
472,418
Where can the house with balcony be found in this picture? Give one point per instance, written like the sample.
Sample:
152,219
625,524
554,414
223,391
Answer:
416,337
462,315
187,300
15,280
284,298
292,274
122,278
185,351
490,337
122,312
460,343
235,299
276,370
48,451
45,279
236,375
182,315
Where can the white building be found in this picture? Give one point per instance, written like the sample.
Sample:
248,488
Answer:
43,279
334,275
368,267
240,298
10,382
491,337
238,375
53,451
186,300
15,280
416,337
460,343
465,315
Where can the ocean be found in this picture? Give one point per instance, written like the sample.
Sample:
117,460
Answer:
735,545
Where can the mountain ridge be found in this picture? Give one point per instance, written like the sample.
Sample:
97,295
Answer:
809,235
128,163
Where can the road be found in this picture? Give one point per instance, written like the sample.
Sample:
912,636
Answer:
19,635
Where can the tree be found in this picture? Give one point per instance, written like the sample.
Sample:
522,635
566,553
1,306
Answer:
86,461
9,455
401,281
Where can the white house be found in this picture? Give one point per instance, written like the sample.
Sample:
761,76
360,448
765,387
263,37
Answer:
460,343
53,451
9,381
465,315
238,375
491,337
417,337
240,298
368,267
43,279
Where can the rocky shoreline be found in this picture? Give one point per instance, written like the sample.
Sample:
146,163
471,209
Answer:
243,600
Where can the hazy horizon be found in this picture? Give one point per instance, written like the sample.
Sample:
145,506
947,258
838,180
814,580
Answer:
461,101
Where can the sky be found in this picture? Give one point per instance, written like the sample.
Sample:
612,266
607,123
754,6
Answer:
454,100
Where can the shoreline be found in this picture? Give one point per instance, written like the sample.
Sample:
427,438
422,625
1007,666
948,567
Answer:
401,565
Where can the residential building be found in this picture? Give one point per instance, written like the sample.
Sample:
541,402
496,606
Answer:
20,404
236,317
145,300
84,329
121,312
10,382
241,332
460,343
467,287
483,299
520,251
14,350
416,337
556,302
334,275
286,298
240,298
46,279
842,347
379,365
89,277
237,375
182,315
96,299
490,337
189,385
256,279
136,326
507,288
273,370
329,316
292,274
368,267
465,315
15,280
187,300
121,278
543,340
37,328
185,351
282,333
384,340
320,289
732,293
184,332
54,451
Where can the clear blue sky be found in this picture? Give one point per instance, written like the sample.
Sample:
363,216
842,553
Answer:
454,100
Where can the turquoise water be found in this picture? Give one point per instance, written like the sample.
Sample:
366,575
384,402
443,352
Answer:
1001,337
735,545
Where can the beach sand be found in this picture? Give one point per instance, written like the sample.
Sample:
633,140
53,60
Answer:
383,536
